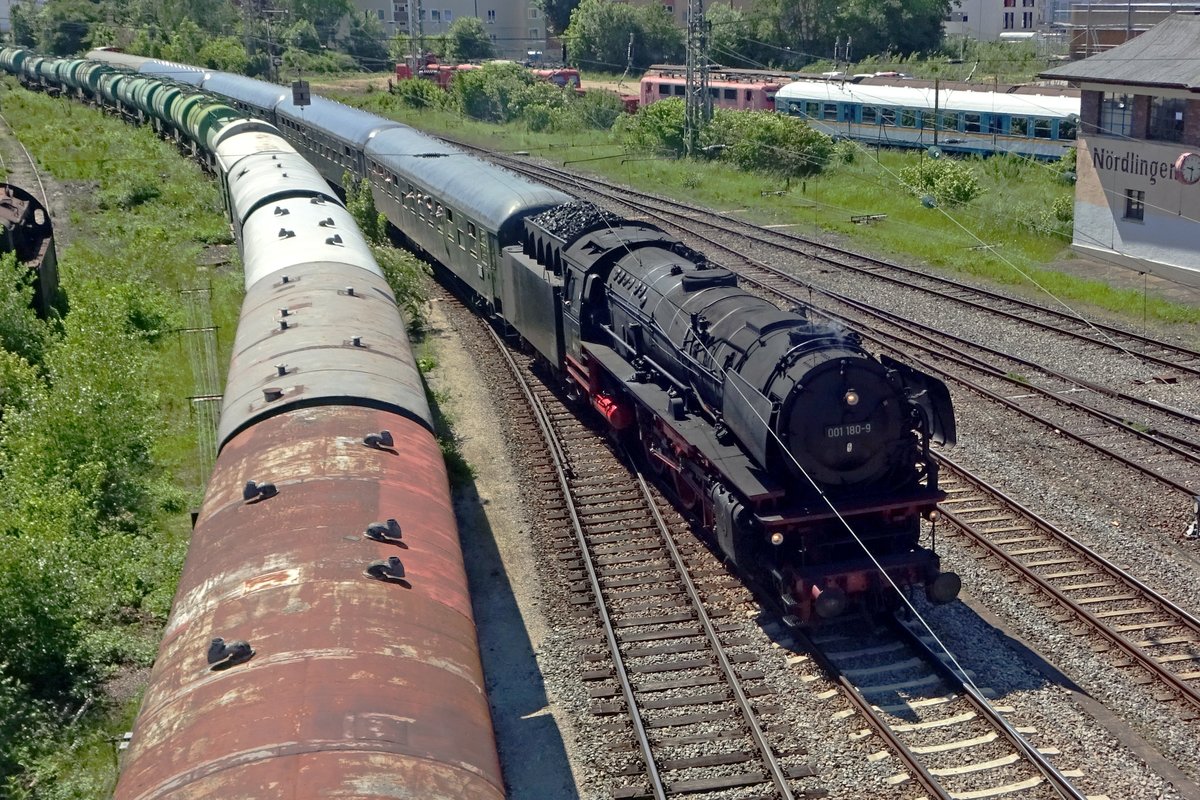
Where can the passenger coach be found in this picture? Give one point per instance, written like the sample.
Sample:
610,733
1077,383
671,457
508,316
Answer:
1037,126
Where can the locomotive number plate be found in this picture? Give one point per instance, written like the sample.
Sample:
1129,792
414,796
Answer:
840,431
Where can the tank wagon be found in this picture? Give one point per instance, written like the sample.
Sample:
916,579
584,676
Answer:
806,458
321,642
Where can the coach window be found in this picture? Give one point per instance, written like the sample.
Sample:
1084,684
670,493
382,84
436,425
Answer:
749,95
1041,128
1018,126
869,115
1135,205
1067,128
908,118
679,90
831,111
925,119
731,94
887,116
971,123
812,110
995,123
949,122
664,88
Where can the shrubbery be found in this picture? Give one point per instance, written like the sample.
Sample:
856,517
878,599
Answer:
757,141
948,181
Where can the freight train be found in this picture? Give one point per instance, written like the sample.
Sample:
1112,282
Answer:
321,642
806,458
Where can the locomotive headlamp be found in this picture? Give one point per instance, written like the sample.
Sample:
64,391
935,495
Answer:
851,398
776,538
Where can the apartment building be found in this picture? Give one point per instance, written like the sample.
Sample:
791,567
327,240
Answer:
996,20
516,27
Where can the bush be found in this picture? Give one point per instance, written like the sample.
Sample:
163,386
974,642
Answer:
656,128
763,141
489,93
950,182
418,93
599,109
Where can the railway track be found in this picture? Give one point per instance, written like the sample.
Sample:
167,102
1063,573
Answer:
1142,631
669,673
947,733
666,661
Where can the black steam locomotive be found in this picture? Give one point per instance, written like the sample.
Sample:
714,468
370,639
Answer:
806,457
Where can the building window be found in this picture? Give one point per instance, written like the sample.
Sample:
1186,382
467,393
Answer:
1135,205
491,17
1010,3
1027,3
1166,119
447,15
533,13
1116,114
435,15
670,9
380,12
1008,20
1027,20
534,33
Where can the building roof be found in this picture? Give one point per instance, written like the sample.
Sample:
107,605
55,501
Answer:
1165,55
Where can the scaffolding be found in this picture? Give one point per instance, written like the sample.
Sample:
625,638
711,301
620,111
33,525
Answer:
1098,25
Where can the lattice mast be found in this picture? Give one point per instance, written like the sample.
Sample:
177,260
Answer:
698,104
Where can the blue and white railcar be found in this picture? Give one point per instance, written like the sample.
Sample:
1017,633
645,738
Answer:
957,121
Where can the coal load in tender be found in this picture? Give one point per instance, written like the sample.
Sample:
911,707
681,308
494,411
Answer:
570,219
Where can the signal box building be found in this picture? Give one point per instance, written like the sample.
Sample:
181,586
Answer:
1137,193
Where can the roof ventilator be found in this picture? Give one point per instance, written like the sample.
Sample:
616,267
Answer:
356,341
388,532
281,369
336,239
254,491
223,655
389,569
350,291
280,211
272,393
377,440
284,233
327,223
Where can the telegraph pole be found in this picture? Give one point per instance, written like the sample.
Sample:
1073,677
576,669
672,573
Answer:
416,36
697,103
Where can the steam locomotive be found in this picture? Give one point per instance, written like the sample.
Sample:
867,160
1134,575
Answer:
807,458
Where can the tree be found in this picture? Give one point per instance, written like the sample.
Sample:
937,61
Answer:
323,14
600,32
897,26
186,43
226,53
558,13
365,42
469,41
63,26
24,22
727,36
